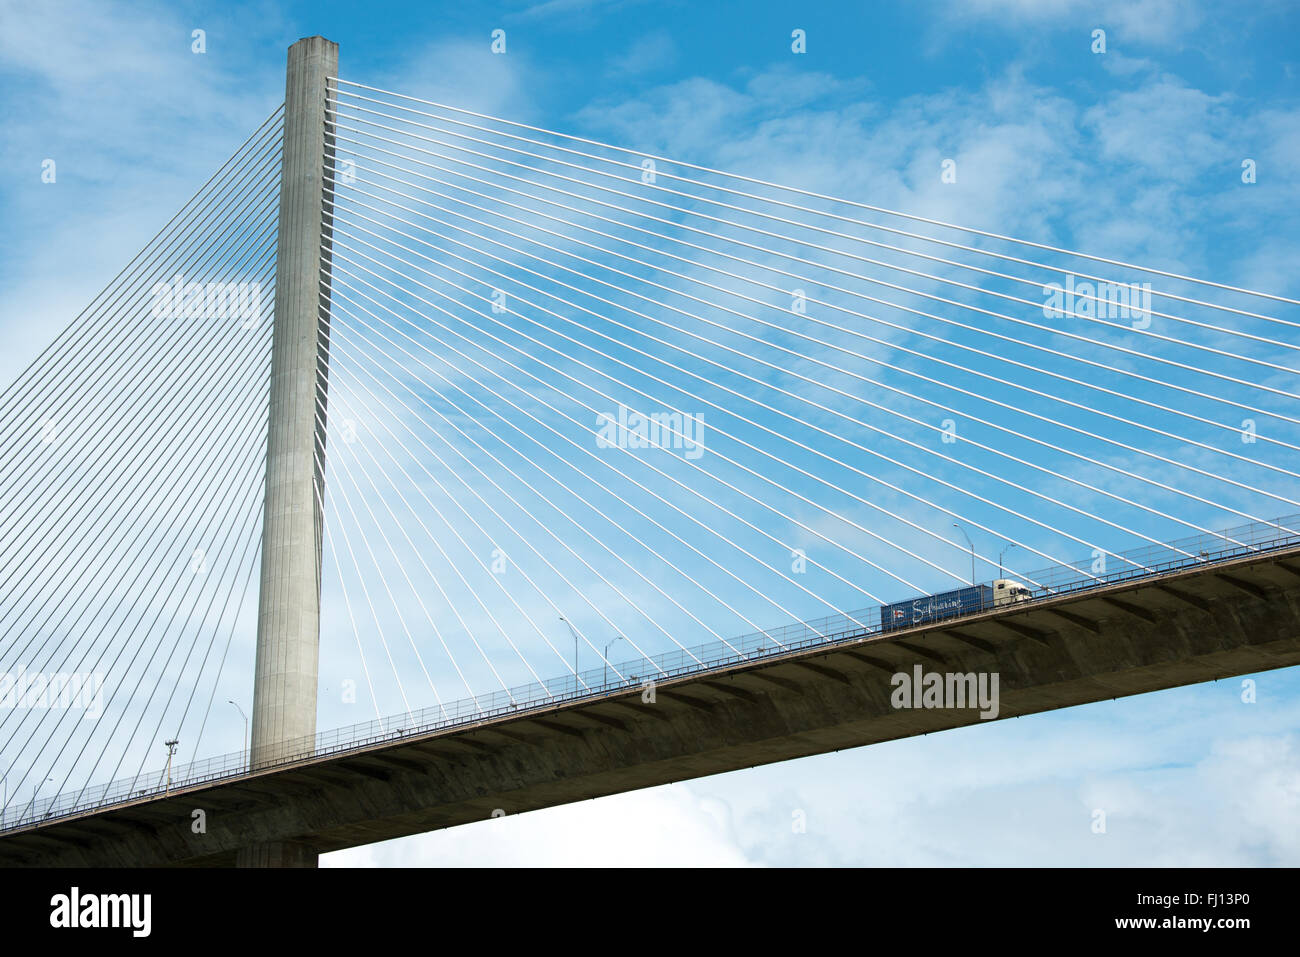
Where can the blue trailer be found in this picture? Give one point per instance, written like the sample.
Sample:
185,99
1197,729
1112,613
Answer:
949,604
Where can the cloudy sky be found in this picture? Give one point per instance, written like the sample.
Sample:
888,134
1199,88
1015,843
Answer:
1136,152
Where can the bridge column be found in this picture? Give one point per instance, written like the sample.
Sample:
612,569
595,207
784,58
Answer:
288,624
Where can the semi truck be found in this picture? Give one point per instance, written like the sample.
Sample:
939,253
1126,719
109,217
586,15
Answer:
951,604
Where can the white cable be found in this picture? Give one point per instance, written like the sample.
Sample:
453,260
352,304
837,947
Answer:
696,492
329,540
532,488
677,432
443,519
436,630
383,578
374,613
832,250
859,239
585,385
624,475
921,313
835,368
792,189
838,308
540,591
787,415
487,610
830,232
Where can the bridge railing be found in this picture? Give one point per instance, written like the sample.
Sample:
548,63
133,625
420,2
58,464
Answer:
1254,538
1232,542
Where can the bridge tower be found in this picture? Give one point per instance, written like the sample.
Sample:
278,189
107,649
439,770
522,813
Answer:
288,623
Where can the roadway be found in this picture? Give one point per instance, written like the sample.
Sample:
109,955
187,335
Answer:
1181,627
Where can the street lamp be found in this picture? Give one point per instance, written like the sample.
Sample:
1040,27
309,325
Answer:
575,652
972,550
245,717
606,656
1002,553
171,749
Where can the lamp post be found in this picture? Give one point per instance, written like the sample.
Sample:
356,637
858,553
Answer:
245,717
1002,553
171,749
568,625
4,802
606,656
972,550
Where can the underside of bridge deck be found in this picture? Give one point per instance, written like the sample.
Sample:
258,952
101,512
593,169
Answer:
1180,628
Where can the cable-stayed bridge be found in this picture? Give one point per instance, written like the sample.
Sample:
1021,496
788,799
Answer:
568,469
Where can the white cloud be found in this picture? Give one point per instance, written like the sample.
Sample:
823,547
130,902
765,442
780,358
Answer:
1133,21
456,71
653,51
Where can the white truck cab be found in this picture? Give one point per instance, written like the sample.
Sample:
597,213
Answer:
1007,591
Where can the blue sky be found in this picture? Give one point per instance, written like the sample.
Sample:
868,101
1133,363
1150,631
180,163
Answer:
1135,154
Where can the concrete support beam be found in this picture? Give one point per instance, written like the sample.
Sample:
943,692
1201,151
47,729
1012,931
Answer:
694,728
288,624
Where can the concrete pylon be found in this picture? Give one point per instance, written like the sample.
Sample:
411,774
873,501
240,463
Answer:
288,623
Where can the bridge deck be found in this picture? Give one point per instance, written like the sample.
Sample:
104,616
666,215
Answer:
1181,627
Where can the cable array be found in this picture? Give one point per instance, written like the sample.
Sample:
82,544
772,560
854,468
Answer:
887,408
131,472
593,414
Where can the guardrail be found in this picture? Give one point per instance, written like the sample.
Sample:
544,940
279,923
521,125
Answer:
1148,561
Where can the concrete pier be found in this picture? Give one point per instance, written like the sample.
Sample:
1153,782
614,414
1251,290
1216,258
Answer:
288,628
